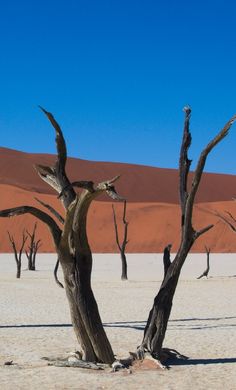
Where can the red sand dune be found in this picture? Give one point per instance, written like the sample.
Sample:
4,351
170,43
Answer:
137,183
151,225
152,211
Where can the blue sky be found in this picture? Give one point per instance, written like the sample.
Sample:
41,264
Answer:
116,75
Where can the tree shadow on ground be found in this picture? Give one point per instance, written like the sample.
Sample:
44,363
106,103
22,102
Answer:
189,362
140,325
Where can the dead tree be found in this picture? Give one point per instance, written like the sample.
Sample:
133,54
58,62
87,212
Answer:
206,272
73,250
155,329
16,253
122,245
33,248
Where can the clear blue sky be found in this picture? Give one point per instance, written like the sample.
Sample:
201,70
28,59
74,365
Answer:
116,74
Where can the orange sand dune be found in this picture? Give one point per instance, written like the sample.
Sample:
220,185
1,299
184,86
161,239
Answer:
137,183
151,225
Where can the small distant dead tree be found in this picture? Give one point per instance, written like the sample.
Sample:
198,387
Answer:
33,248
155,329
122,246
205,273
17,253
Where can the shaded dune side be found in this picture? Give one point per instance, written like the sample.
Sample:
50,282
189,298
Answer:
151,225
137,183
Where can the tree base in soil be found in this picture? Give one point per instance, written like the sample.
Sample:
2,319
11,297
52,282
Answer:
134,359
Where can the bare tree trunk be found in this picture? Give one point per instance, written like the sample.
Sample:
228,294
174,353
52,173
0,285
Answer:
122,247
84,310
155,329
206,272
124,274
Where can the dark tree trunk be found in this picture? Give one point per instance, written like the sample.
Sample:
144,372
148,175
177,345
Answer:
33,248
18,272
156,326
30,267
206,272
124,275
155,330
85,316
122,246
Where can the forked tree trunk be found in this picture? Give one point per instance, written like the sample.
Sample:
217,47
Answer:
155,329
32,249
73,250
76,260
17,254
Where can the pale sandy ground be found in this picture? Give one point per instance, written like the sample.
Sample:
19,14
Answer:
35,322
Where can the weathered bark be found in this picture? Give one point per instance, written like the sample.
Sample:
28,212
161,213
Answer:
155,329
73,249
16,253
166,258
122,246
206,272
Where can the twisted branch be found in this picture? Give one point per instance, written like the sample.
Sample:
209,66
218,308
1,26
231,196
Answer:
53,227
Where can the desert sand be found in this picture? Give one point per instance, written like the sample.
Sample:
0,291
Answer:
35,323
138,183
151,225
153,211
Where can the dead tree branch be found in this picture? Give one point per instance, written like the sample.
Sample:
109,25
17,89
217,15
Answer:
53,227
55,274
52,210
62,221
